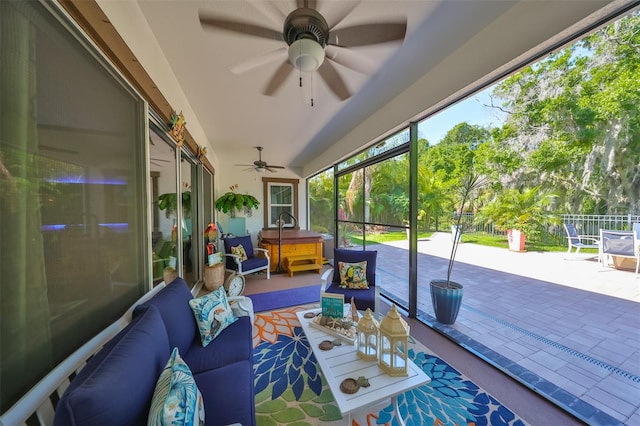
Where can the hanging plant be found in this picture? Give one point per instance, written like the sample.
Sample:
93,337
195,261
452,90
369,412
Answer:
169,202
233,202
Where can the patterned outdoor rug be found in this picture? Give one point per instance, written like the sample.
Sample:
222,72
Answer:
290,388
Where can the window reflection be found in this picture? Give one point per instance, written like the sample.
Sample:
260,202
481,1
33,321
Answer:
72,209
162,165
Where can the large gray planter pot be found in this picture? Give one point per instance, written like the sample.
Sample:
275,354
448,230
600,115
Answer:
446,300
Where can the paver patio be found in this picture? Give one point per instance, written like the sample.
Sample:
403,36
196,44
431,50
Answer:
562,324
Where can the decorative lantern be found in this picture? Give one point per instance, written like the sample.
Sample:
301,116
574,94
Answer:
368,337
394,343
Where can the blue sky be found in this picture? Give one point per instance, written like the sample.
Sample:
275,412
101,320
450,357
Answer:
471,110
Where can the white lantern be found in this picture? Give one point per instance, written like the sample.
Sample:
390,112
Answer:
394,344
368,337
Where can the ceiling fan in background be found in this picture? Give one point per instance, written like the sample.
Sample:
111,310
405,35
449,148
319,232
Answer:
261,166
312,44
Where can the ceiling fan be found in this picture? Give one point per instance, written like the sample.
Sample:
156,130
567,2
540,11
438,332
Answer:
312,44
261,166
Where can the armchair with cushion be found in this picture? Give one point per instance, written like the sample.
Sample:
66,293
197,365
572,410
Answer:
351,261
243,258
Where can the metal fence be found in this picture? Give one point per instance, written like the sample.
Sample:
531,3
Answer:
586,224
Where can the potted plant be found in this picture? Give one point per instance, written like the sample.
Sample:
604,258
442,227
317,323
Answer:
446,295
233,202
520,214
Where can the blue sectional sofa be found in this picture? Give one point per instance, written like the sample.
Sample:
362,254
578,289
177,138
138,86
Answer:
117,384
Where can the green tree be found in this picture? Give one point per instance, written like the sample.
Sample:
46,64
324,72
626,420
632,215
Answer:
573,121
443,167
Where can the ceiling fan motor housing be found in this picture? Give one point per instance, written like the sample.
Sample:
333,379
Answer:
306,32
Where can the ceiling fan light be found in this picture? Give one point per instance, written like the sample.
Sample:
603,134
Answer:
260,169
306,54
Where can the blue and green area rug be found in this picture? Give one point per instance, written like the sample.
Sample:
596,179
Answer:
290,389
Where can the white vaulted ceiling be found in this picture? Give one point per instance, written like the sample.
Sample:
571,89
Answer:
449,46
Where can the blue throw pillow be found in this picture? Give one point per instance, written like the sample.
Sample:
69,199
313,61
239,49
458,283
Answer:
213,314
176,399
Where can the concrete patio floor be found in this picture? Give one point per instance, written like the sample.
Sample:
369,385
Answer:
563,325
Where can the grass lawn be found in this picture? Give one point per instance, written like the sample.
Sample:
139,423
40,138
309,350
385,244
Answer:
475,238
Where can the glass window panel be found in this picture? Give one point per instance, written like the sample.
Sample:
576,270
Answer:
72,206
280,200
281,194
387,191
350,196
392,264
276,211
350,235
394,141
207,193
321,202
162,164
189,221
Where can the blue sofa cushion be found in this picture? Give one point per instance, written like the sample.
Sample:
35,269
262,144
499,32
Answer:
173,304
253,263
363,298
228,394
218,353
117,384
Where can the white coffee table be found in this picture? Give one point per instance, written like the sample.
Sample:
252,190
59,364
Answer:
341,362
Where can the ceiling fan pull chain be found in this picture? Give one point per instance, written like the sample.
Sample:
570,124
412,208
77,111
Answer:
300,69
311,89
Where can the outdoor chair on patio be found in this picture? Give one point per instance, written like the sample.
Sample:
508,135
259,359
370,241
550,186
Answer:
352,269
620,244
243,258
579,241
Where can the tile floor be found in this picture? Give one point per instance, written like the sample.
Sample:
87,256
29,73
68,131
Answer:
561,324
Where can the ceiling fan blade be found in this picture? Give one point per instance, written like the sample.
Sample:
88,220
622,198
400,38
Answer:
244,165
339,11
366,34
258,61
241,27
270,10
350,59
278,78
275,167
330,75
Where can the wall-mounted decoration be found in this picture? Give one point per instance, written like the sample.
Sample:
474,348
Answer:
177,127
202,152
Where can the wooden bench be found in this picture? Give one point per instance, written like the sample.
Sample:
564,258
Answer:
302,262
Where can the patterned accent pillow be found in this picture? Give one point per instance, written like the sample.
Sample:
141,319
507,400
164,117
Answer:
353,275
239,251
176,399
212,313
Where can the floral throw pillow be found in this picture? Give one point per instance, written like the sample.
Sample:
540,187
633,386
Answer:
176,398
239,251
213,314
353,275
